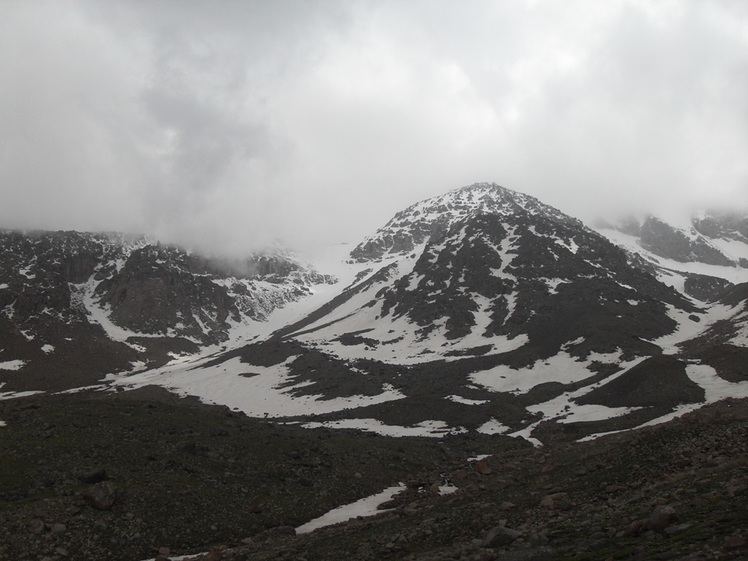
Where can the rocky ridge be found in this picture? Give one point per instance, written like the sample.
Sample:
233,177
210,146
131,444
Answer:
75,306
703,259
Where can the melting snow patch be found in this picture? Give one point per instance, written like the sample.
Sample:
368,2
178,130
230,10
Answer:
433,429
447,489
466,401
526,432
82,389
715,389
553,284
4,286
687,328
48,348
13,395
492,427
561,368
585,413
363,507
12,364
258,391
479,457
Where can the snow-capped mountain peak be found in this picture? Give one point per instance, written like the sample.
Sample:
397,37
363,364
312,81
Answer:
427,219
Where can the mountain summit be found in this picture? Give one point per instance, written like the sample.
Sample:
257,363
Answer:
427,219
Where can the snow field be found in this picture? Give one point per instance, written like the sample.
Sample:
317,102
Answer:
432,429
254,390
561,368
732,249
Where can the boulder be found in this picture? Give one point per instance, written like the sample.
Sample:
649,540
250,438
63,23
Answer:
101,496
661,518
499,536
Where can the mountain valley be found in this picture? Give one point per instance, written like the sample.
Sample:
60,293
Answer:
250,396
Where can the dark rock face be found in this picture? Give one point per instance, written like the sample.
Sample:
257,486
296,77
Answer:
428,220
152,294
55,288
544,273
724,225
101,496
659,381
662,239
706,288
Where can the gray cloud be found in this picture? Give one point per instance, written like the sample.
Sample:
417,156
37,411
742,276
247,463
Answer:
226,125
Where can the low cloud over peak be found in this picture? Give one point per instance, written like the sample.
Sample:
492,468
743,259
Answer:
229,125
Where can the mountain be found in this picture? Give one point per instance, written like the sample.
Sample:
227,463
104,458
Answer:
77,306
509,348
702,258
481,310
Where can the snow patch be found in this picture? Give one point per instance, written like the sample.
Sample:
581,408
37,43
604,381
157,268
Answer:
447,489
368,506
687,328
733,250
466,401
561,368
258,391
432,429
492,427
715,389
12,364
14,395
553,284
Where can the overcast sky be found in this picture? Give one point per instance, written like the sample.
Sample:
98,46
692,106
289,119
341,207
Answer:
227,124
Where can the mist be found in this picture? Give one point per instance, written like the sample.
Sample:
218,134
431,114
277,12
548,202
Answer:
227,126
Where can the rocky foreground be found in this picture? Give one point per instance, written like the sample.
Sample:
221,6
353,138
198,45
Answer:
142,474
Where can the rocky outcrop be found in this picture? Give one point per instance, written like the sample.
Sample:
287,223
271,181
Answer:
75,306
671,243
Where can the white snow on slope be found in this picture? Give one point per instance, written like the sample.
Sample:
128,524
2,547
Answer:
561,368
492,426
398,340
735,275
12,364
83,293
432,429
255,390
466,401
715,388
14,395
687,328
363,507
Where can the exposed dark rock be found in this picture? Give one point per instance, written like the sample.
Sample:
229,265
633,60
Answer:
95,476
664,240
661,518
101,496
534,554
659,381
706,288
500,536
